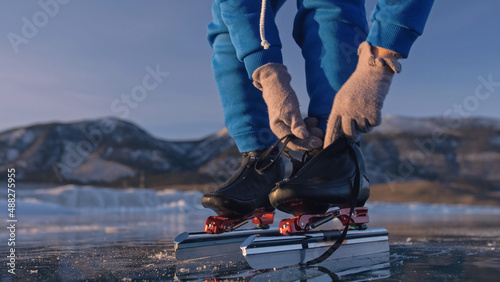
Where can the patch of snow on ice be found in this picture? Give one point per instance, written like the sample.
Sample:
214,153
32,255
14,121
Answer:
59,229
72,199
54,191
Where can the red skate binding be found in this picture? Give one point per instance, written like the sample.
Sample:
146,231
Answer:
307,222
218,224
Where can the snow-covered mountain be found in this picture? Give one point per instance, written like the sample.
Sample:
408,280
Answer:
403,149
114,152
100,151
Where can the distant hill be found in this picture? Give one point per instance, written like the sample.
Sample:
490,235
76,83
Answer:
107,151
433,160
411,159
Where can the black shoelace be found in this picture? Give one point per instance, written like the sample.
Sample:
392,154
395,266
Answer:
354,198
262,170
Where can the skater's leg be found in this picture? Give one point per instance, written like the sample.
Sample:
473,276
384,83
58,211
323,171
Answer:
335,187
328,32
245,111
242,19
240,42
358,104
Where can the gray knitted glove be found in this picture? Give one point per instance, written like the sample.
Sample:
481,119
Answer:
315,133
358,104
284,113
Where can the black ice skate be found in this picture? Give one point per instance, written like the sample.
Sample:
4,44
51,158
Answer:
325,181
245,195
334,177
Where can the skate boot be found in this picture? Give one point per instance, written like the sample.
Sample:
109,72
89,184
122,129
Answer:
245,195
335,177
327,180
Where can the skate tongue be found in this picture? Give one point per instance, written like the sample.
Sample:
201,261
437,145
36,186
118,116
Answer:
354,197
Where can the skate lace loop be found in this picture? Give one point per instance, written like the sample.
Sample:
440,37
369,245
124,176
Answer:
265,156
296,164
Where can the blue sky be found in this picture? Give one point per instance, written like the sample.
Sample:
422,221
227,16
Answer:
78,62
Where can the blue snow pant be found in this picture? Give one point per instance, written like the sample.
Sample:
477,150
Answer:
328,33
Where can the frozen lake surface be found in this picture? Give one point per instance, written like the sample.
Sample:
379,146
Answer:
79,233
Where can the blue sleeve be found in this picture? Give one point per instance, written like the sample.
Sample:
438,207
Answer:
242,18
398,23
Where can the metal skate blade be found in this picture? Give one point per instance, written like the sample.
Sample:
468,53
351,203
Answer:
199,244
269,252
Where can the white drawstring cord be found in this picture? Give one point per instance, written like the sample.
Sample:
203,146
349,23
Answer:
264,42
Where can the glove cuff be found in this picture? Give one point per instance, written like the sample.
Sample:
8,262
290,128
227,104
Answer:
365,53
272,72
